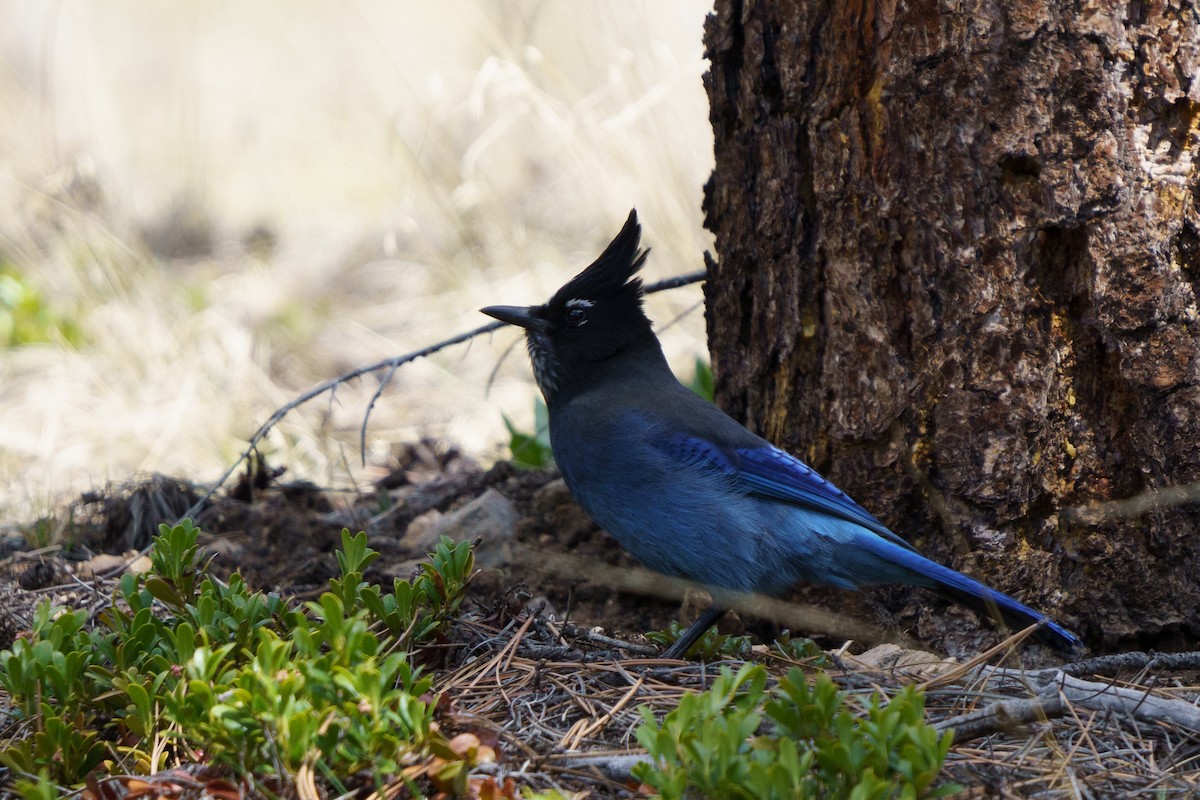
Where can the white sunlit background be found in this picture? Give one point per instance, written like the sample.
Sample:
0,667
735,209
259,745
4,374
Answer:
208,207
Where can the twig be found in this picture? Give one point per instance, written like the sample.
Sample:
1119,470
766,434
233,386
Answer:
587,730
362,431
620,644
1056,692
614,767
1139,704
1115,663
1003,715
1005,647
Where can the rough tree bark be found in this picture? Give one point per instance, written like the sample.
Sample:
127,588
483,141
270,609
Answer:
959,257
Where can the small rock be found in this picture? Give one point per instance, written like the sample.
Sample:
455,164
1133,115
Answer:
104,563
12,543
557,511
491,518
542,604
917,664
422,533
549,498
405,570
225,550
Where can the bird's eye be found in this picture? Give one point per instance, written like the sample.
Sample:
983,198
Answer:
576,317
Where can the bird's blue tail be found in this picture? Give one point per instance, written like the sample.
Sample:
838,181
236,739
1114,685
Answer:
971,593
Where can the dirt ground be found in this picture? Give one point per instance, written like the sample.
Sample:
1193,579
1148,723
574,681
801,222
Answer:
535,546
548,578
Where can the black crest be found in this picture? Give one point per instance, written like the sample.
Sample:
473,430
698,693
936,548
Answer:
598,313
596,316
610,278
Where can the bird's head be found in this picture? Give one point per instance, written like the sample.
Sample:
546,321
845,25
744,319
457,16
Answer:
594,317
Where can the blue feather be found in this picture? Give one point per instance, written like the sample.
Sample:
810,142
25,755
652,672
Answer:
772,473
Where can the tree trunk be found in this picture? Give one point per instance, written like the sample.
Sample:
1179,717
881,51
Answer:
959,255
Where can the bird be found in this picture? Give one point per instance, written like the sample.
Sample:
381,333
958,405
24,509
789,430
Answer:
689,491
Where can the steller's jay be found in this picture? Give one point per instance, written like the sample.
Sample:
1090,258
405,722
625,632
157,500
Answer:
684,487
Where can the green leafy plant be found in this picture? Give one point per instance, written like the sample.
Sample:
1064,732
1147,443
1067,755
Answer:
49,530
702,380
532,450
414,610
801,649
796,740
182,663
709,647
26,317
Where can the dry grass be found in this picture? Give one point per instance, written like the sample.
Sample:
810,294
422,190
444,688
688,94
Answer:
567,718
345,182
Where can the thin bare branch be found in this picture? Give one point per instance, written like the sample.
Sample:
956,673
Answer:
1056,693
1003,715
1115,663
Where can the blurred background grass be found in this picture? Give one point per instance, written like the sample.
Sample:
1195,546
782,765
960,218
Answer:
208,207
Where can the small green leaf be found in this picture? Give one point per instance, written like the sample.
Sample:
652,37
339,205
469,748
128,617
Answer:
702,380
531,450
163,591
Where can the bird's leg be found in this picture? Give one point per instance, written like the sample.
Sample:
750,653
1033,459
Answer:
705,621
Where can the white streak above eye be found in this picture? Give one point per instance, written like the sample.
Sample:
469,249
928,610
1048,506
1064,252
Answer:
579,302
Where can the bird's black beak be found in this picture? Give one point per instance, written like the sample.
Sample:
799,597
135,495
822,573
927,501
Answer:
521,316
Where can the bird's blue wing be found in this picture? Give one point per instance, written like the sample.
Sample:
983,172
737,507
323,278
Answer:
771,472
